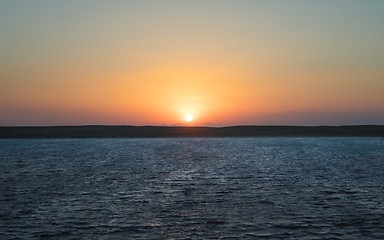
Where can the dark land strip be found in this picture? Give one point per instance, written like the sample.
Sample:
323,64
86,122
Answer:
96,131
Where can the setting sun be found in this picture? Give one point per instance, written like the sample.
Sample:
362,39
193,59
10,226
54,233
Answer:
188,118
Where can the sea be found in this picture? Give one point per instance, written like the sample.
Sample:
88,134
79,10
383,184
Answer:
192,188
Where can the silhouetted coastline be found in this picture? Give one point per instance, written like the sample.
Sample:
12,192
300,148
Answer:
96,131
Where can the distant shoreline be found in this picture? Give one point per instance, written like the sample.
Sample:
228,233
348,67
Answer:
103,131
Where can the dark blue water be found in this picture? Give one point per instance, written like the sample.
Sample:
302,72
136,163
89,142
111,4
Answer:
208,188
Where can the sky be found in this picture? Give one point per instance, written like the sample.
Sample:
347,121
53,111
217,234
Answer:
224,62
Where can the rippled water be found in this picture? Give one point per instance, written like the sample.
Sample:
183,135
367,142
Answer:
207,188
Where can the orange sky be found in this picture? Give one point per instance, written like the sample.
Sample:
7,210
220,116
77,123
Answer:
224,62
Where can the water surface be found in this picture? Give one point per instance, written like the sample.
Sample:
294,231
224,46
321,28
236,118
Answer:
192,188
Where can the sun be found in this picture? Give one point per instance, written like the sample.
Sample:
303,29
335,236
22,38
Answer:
188,118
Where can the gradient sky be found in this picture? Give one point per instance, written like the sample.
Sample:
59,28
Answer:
225,62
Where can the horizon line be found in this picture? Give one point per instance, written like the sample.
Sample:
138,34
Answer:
197,126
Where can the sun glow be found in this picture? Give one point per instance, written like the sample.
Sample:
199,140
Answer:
188,118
